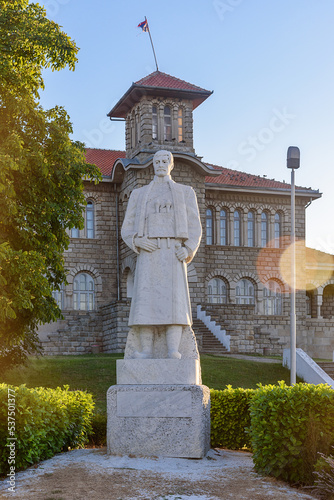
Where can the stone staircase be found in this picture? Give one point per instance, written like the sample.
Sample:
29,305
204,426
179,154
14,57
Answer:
207,342
328,367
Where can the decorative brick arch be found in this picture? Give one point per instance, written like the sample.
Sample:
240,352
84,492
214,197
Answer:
278,278
266,208
238,206
249,276
322,287
218,274
90,196
85,268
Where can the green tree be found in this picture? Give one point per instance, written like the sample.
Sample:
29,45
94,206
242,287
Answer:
41,177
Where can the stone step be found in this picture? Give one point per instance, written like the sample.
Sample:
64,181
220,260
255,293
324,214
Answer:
210,343
328,367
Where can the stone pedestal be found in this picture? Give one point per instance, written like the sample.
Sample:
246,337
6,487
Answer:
158,408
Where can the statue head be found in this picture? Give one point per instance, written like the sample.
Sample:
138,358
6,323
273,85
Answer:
163,163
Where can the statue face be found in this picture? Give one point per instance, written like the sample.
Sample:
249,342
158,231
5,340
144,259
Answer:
162,164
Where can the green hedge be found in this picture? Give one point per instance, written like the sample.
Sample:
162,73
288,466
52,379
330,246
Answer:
46,421
289,427
230,417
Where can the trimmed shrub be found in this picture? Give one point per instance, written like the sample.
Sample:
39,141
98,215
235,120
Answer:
289,427
46,421
230,417
98,436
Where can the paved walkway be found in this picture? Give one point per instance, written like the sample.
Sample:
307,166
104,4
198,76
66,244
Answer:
93,475
259,359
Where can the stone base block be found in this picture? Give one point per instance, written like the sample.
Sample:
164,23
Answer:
159,420
158,371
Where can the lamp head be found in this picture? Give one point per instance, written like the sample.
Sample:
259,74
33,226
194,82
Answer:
293,157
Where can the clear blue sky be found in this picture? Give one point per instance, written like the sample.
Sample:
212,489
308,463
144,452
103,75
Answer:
270,64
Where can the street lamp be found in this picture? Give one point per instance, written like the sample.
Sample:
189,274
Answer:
293,161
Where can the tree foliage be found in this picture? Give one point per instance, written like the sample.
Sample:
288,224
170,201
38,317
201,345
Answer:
41,176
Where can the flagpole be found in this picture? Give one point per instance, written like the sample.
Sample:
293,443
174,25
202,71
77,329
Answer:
155,57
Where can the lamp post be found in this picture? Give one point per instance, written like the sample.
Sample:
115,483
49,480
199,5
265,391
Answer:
293,161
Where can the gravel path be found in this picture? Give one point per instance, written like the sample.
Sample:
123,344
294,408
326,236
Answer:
92,474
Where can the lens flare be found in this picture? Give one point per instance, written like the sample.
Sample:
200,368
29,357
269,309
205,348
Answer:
300,271
313,268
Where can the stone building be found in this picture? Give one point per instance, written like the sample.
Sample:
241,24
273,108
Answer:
240,275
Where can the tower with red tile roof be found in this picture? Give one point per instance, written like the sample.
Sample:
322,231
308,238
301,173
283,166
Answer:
158,113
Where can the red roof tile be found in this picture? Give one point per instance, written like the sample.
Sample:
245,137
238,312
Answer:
103,158
163,80
229,177
158,84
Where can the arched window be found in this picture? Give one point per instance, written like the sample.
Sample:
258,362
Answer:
154,122
251,229
278,229
244,292
90,232
217,291
223,227
209,226
137,128
237,228
83,292
264,229
167,124
133,130
272,295
180,125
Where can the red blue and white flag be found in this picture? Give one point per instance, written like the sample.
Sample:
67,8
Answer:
143,25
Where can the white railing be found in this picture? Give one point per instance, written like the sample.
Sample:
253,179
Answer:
307,369
214,328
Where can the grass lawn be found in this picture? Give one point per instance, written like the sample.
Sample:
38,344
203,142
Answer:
96,373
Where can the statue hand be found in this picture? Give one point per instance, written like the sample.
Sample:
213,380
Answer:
145,244
181,253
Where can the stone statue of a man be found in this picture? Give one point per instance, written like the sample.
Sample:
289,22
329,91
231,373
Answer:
162,225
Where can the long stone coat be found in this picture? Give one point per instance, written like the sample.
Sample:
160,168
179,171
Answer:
168,213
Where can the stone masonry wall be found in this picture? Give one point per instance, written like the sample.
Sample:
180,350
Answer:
319,338
115,326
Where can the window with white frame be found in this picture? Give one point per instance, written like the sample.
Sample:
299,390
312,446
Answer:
180,125
264,229
167,124
154,122
209,226
223,227
90,229
278,229
83,292
217,291
75,232
237,228
272,298
251,229
245,292
58,295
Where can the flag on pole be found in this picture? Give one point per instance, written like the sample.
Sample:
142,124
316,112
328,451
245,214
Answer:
143,25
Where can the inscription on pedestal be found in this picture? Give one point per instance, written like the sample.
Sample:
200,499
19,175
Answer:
155,404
